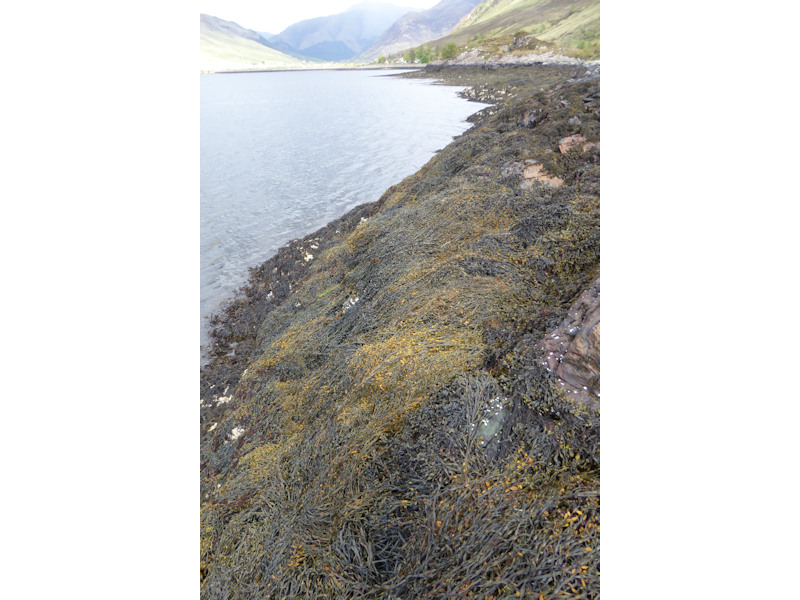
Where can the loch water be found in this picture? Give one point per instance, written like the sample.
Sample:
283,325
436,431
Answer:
284,153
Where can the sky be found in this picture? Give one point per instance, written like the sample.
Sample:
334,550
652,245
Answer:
273,16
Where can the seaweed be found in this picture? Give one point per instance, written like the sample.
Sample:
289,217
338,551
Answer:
384,427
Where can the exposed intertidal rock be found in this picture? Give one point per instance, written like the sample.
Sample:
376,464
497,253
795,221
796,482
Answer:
568,143
535,53
530,172
534,172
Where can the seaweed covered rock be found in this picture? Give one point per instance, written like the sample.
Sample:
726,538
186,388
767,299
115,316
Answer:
572,350
386,424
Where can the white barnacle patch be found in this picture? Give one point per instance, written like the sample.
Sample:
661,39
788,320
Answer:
213,427
223,399
235,433
491,423
270,295
350,303
308,257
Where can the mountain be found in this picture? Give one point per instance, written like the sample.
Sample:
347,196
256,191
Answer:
226,46
567,23
416,28
341,36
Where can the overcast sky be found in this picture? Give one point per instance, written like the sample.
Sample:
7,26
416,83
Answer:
274,16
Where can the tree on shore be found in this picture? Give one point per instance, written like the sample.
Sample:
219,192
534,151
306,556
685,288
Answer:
449,51
424,54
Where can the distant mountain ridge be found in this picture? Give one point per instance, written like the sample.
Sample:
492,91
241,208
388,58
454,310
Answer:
368,30
415,28
341,36
227,46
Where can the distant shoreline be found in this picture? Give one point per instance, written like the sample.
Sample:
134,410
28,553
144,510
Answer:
369,68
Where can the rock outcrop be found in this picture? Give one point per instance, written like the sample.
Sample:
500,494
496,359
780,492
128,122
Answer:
572,350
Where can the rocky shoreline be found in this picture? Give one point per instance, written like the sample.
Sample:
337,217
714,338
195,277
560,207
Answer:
233,330
478,58
489,81
406,401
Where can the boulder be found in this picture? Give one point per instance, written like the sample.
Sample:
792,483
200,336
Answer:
534,172
566,144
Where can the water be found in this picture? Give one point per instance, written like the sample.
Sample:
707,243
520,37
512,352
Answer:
282,154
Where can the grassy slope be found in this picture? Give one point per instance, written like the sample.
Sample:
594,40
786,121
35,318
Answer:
584,25
225,51
569,23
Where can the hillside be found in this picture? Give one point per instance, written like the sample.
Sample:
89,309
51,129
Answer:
415,28
406,403
341,36
226,46
572,25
